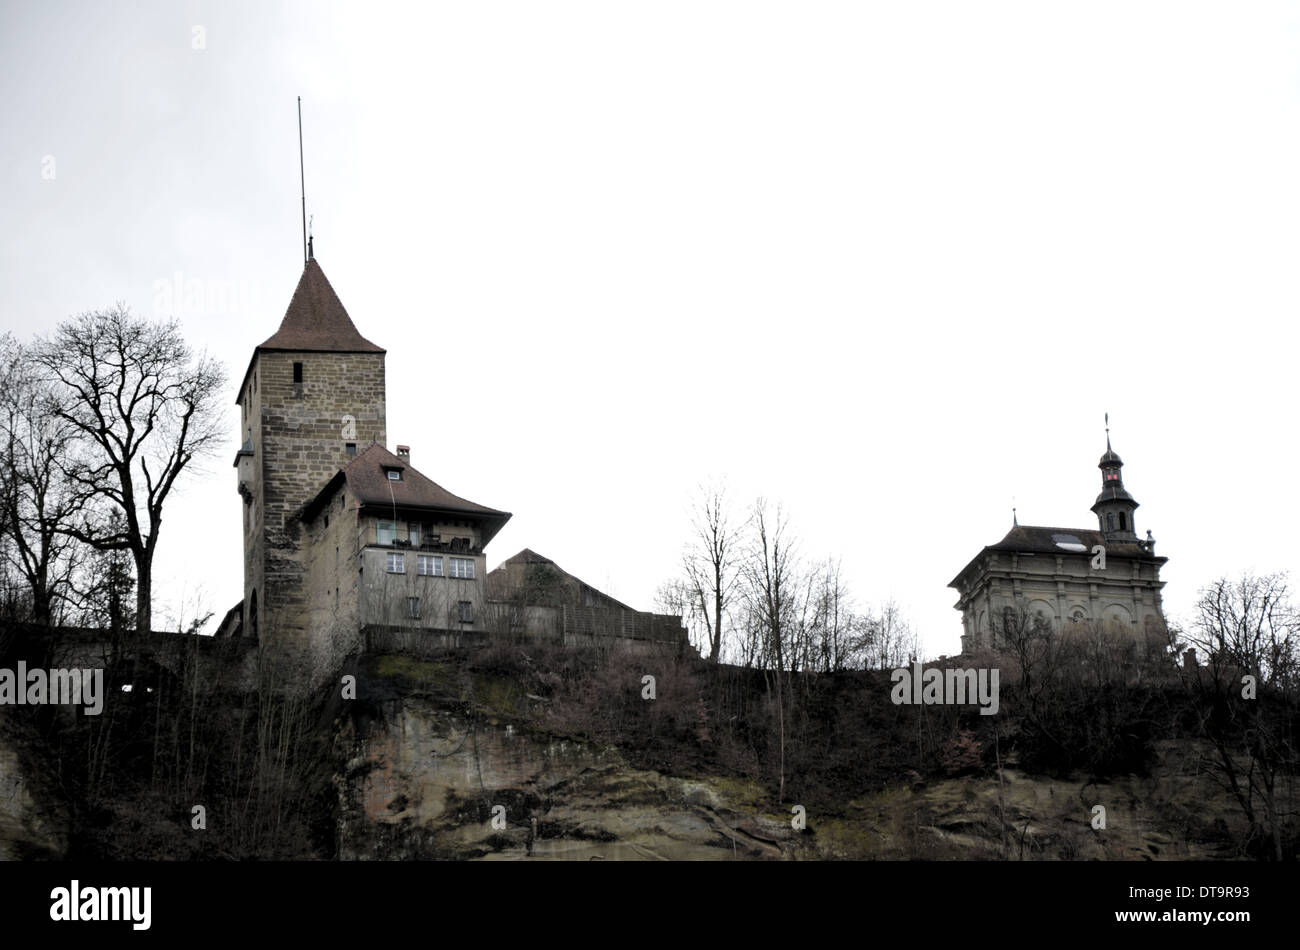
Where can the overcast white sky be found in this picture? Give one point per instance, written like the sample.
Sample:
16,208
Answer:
888,263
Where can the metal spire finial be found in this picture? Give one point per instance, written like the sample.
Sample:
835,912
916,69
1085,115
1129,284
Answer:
1108,432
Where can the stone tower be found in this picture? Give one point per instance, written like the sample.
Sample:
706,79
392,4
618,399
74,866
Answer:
312,396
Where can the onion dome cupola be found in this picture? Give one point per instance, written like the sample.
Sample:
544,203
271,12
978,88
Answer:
1114,507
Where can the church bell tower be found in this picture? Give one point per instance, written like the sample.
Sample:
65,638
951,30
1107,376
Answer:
1114,507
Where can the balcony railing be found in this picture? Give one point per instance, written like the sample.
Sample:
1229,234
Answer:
428,544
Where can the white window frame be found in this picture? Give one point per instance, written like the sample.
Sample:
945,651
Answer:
397,558
434,559
462,567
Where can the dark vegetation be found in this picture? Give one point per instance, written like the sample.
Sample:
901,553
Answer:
264,765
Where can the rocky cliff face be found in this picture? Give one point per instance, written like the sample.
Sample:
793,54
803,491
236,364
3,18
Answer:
426,783
32,826
424,779
439,759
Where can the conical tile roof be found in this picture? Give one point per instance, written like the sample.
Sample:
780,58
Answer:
316,320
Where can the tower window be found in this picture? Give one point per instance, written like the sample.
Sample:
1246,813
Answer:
1123,522
350,448
1110,521
297,372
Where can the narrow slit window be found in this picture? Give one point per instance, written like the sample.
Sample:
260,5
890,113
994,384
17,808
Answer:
297,372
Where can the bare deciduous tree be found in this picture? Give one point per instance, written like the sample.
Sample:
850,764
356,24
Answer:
711,563
888,637
1249,627
146,407
39,495
1250,624
772,591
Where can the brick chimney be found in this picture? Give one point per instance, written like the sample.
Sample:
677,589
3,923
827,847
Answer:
404,453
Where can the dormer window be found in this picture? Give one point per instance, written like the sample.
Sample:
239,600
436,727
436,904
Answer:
394,475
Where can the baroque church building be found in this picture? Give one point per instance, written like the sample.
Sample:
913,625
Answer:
1065,576
345,540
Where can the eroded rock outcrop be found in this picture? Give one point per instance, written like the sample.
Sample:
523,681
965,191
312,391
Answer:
29,827
428,783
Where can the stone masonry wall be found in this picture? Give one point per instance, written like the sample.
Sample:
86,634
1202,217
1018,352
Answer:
299,445
1127,592
331,556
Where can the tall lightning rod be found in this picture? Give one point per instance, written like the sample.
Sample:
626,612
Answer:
303,180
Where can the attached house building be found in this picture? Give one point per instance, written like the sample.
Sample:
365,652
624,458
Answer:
407,552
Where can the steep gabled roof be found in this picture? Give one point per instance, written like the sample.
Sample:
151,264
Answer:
528,556
367,480
316,320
